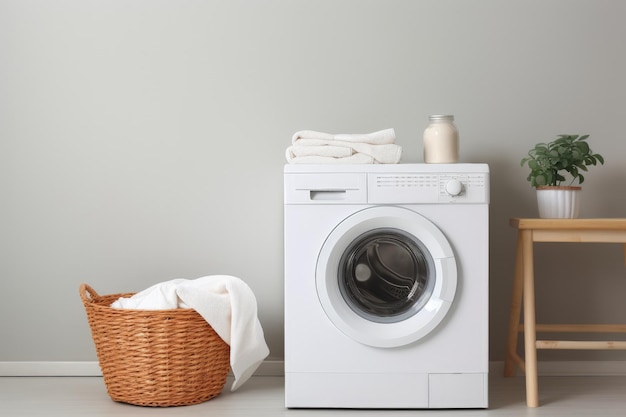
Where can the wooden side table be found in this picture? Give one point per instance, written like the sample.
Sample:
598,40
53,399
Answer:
552,230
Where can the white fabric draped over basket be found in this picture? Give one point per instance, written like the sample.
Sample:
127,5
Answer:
227,303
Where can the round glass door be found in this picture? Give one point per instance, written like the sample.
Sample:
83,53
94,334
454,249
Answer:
386,276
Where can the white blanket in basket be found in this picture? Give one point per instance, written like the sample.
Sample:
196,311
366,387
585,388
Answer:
226,303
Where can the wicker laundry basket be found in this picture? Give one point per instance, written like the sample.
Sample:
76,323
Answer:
156,358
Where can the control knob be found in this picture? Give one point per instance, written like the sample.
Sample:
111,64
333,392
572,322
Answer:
454,187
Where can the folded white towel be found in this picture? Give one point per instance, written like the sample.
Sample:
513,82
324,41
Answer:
316,150
380,137
226,303
380,154
357,158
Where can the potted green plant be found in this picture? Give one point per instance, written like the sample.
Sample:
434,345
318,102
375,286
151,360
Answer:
551,164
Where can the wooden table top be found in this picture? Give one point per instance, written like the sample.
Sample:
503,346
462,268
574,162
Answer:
569,224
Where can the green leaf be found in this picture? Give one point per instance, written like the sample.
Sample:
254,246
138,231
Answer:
540,180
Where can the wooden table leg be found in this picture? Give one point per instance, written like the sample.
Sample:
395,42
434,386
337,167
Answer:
514,313
530,337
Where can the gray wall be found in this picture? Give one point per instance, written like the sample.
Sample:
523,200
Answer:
144,140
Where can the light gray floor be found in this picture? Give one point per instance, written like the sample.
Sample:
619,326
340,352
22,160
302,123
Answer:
263,396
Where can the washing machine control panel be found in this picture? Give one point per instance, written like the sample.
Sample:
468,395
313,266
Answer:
428,188
393,184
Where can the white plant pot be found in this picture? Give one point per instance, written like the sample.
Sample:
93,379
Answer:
558,202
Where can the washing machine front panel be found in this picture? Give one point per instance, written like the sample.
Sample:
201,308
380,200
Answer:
386,276
329,367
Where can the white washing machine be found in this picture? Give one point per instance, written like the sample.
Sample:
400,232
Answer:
386,286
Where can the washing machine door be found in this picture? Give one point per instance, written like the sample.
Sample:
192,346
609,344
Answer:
386,276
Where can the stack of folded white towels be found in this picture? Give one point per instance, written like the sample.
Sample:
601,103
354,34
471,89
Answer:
310,147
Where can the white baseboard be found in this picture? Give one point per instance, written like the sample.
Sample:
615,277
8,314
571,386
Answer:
276,368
